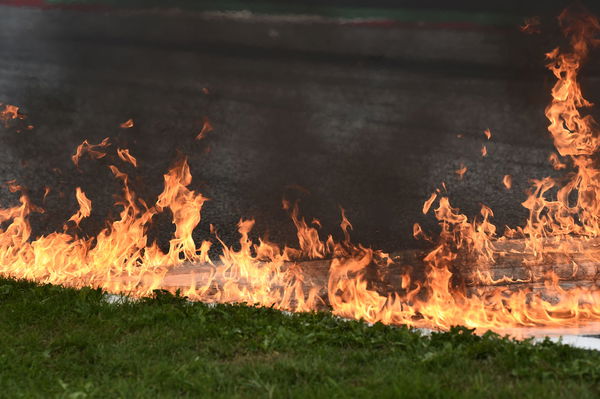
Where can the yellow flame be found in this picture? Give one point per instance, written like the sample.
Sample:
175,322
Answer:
347,278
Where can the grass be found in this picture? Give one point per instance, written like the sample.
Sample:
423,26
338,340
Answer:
57,342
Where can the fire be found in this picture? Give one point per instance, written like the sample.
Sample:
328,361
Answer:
128,124
460,172
418,232
531,25
207,127
85,207
507,181
429,202
92,150
127,157
9,112
47,191
462,279
555,162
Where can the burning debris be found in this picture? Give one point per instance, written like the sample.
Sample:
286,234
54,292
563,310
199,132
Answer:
472,276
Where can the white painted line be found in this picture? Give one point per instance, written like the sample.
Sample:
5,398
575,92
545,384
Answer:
576,341
115,299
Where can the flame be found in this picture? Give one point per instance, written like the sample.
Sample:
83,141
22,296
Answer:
531,25
460,172
575,209
85,207
462,280
207,127
483,151
9,112
47,191
92,150
487,133
418,232
128,124
427,204
127,157
507,181
555,162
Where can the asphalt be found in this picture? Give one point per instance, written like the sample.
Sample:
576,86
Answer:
369,118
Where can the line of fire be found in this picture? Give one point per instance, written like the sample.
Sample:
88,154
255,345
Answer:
376,168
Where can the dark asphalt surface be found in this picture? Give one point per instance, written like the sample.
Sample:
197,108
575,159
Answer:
362,117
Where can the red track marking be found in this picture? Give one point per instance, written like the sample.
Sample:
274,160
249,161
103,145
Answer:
47,6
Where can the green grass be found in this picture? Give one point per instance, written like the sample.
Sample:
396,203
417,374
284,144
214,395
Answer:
57,342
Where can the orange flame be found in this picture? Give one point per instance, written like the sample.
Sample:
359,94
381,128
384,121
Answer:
531,25
555,162
460,172
418,232
90,149
427,204
207,127
128,124
127,157
507,181
9,112
85,207
462,283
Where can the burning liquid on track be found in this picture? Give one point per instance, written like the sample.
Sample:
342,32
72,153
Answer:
557,242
